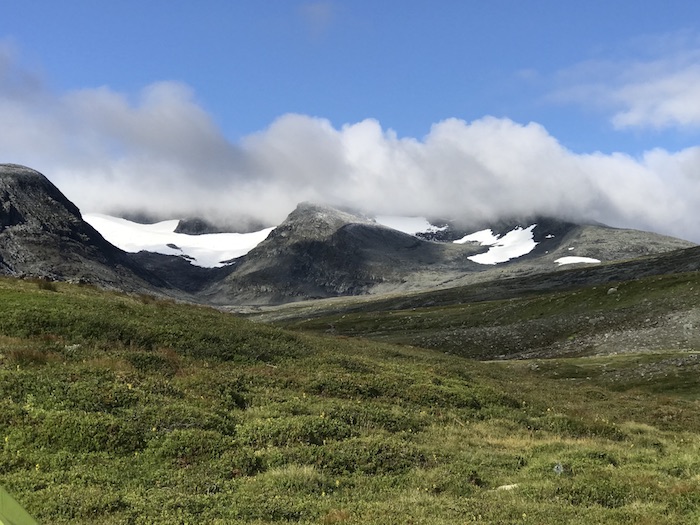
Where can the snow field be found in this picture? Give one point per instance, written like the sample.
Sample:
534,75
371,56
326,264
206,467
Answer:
208,250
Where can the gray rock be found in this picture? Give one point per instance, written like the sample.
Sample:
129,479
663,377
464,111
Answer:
42,234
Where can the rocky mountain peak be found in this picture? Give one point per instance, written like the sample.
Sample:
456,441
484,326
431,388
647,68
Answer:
29,199
316,222
42,234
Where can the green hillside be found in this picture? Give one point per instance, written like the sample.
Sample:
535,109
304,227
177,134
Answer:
118,409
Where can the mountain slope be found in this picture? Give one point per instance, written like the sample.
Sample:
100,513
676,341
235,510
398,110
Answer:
649,304
42,234
124,409
321,252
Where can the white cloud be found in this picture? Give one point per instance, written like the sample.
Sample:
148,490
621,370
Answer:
160,151
671,100
657,92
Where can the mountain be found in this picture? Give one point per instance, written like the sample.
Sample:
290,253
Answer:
42,235
321,252
317,252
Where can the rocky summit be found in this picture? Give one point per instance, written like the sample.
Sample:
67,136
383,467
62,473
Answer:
42,235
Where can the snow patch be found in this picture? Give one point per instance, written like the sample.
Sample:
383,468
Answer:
515,243
483,237
209,250
573,260
409,225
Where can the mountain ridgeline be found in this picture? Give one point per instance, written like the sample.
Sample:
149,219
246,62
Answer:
43,235
317,252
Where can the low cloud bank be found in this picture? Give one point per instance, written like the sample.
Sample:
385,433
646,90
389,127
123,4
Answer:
162,153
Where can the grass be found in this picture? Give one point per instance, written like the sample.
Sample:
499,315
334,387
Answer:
121,409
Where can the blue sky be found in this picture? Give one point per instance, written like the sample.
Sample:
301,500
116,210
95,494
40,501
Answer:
359,102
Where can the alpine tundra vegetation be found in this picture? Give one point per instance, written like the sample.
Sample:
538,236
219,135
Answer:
126,408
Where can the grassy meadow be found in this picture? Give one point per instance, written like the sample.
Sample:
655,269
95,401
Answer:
124,409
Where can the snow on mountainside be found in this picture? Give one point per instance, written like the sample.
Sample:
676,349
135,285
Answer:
214,250
208,250
515,243
574,260
409,225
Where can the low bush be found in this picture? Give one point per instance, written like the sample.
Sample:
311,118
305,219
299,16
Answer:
377,455
78,431
283,431
179,414
164,362
189,446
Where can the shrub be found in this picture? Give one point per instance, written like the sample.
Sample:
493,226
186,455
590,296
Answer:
444,395
308,430
370,456
228,392
295,478
64,504
189,446
239,461
286,494
390,418
78,431
577,427
181,415
151,362
347,387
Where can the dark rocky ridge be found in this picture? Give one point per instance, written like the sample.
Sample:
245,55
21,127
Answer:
323,252
42,235
200,226
179,273
197,226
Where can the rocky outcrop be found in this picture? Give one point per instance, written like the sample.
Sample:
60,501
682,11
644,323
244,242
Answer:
42,234
237,224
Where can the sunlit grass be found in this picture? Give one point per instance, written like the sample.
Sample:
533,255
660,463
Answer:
115,409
